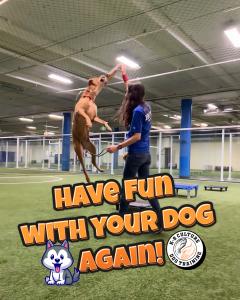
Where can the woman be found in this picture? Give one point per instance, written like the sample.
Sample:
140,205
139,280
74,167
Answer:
135,114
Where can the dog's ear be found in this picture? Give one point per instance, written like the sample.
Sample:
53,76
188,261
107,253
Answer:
49,244
104,78
65,244
90,82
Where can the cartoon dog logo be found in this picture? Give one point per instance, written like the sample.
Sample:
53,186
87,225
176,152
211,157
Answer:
57,259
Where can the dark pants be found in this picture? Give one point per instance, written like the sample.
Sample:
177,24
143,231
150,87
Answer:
138,164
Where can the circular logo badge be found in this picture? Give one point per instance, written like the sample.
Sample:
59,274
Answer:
186,250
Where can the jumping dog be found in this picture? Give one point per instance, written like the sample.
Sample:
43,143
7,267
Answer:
85,113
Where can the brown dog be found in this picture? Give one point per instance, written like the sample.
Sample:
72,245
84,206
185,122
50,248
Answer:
85,113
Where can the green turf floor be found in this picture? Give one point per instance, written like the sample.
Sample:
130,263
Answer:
22,275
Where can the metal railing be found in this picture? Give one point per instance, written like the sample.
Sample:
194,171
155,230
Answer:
221,143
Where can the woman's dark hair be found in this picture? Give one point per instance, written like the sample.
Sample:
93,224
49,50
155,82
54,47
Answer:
133,98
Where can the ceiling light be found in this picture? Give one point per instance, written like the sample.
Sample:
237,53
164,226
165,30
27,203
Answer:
3,1
228,109
47,133
60,78
212,112
50,133
167,127
212,109
128,62
234,36
31,127
155,127
204,125
50,126
175,117
55,117
26,120
212,106
36,83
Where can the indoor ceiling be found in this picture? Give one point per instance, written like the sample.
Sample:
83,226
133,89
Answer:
182,41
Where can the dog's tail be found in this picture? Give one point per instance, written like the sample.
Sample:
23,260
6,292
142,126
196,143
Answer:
76,275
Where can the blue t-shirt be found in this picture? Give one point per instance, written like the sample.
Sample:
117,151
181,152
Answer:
141,123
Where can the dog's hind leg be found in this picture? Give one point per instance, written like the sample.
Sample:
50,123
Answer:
79,150
90,147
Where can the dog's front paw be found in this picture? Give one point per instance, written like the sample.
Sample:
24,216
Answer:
60,282
108,127
50,282
47,279
89,124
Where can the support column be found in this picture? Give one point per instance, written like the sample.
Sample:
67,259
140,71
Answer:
222,156
112,157
99,150
66,141
26,154
185,139
171,154
115,155
43,151
59,155
230,158
6,162
159,152
17,154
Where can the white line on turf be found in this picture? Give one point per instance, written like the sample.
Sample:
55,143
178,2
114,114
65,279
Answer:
53,179
39,176
28,174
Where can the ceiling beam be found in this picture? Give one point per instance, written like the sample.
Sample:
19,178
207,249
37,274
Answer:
166,23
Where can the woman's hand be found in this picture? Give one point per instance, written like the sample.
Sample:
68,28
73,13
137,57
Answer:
119,66
112,149
123,69
133,139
